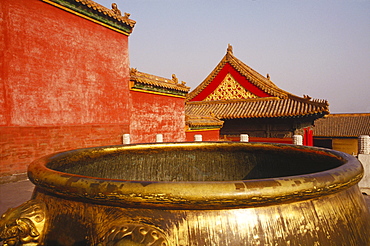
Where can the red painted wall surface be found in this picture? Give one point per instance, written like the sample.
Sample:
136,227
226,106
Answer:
22,145
208,135
63,83
59,68
157,114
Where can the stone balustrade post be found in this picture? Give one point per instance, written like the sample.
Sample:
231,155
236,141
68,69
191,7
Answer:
198,138
364,144
364,157
244,138
159,138
297,139
126,138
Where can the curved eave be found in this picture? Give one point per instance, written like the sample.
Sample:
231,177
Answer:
257,108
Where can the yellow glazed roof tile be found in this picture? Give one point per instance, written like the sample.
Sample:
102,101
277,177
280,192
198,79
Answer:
156,81
267,107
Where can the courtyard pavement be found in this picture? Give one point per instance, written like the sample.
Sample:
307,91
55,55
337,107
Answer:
13,194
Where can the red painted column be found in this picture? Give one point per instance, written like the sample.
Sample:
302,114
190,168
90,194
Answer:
308,137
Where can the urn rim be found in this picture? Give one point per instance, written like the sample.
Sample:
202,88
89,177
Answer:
197,194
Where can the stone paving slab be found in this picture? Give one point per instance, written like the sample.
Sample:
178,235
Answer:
13,194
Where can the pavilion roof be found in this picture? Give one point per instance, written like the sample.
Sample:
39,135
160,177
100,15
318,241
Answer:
274,101
343,125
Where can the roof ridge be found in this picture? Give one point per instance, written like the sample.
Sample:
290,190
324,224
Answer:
262,82
231,57
114,13
257,79
207,80
309,100
157,81
88,9
134,72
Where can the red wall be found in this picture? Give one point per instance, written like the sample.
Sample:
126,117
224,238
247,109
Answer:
22,145
63,83
59,68
207,135
157,114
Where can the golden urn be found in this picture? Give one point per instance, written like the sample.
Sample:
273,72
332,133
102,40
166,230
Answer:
192,194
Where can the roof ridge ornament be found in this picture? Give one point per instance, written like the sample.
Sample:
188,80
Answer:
133,71
116,10
175,79
307,97
229,49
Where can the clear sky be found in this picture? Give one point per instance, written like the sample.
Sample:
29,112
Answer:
316,47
